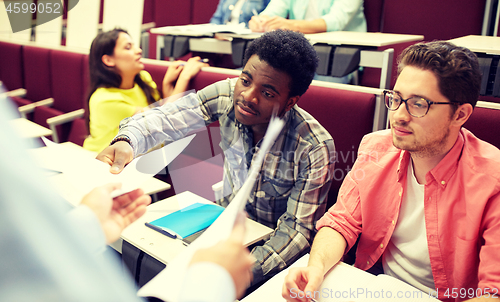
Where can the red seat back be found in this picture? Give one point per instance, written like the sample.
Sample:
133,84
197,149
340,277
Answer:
37,73
11,65
67,80
78,132
172,12
203,10
436,20
484,123
205,78
373,13
347,116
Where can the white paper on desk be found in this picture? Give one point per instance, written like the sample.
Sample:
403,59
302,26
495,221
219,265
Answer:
85,173
240,29
167,284
344,283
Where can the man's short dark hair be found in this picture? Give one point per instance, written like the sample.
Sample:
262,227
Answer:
289,52
456,68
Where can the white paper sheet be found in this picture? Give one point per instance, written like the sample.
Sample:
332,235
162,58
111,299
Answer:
167,283
84,173
344,283
212,28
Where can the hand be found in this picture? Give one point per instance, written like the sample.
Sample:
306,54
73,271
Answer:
231,255
116,214
257,23
173,72
171,76
276,22
191,68
301,281
117,156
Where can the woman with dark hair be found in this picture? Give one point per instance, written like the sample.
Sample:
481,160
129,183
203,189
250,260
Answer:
120,87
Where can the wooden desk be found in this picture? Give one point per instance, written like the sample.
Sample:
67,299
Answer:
481,44
344,283
29,129
163,248
50,161
487,49
370,56
369,43
362,39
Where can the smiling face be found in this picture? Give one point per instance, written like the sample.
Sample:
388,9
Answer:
259,89
430,135
126,57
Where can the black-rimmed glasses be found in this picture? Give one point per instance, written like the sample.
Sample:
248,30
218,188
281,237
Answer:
415,105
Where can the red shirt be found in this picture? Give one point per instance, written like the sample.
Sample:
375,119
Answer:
462,210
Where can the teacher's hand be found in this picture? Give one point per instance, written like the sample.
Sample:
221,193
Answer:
115,214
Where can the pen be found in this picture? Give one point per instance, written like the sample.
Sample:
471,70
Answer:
200,60
254,11
161,230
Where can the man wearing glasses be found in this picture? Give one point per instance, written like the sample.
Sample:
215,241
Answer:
423,197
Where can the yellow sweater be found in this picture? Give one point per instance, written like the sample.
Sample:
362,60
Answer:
108,106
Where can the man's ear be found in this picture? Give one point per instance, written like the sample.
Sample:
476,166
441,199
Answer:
291,102
462,114
108,60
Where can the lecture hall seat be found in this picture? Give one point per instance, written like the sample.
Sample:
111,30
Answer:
485,122
347,116
66,78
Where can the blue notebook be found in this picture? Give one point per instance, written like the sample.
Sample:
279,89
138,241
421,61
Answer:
187,221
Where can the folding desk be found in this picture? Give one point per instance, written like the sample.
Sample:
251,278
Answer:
480,44
487,49
146,251
360,48
29,129
344,283
363,47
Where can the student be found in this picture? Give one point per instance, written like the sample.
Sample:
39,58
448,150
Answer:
424,196
290,194
52,251
120,88
237,11
309,17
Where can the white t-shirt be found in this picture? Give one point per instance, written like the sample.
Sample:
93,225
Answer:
407,254
312,12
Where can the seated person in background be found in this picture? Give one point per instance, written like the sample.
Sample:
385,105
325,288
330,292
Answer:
424,196
120,88
313,16
309,17
52,251
237,11
290,194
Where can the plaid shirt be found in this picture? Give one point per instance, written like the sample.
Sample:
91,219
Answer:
290,195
